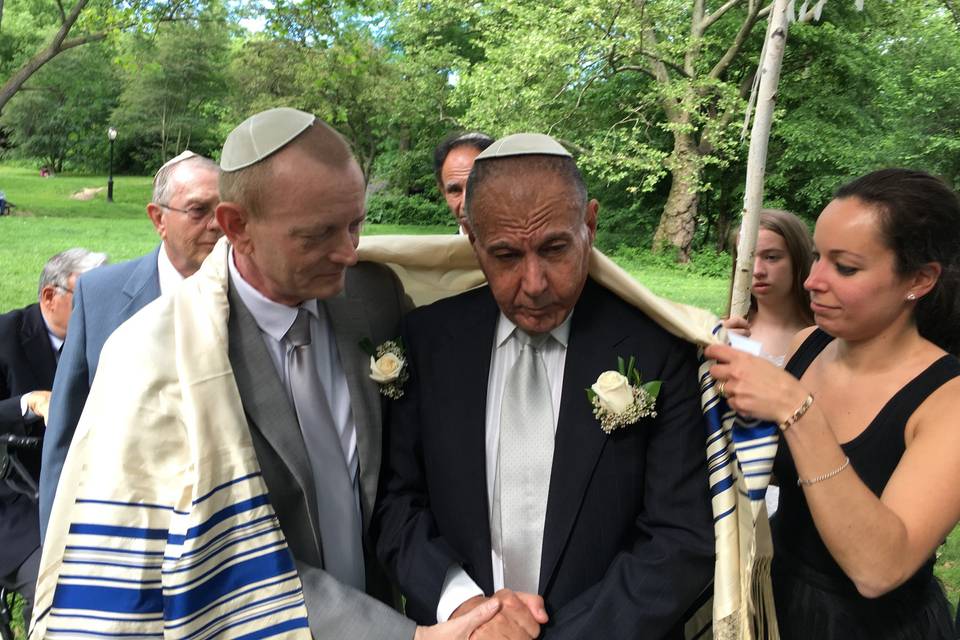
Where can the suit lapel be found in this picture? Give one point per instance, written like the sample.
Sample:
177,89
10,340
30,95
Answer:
350,326
265,400
37,347
143,285
469,347
579,441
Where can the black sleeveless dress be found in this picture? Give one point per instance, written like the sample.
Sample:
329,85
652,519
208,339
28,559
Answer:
814,598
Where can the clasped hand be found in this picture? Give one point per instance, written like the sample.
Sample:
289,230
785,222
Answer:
519,617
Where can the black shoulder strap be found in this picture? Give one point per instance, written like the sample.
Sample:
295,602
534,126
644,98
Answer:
808,351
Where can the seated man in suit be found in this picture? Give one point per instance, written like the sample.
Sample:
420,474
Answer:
452,160
502,477
233,429
184,198
30,342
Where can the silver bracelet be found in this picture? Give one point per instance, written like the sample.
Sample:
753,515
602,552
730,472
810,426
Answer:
826,476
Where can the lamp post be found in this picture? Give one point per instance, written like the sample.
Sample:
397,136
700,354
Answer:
112,134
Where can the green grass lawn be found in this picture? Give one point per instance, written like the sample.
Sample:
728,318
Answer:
47,221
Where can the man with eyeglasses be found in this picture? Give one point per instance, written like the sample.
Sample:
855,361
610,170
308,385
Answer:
30,343
184,199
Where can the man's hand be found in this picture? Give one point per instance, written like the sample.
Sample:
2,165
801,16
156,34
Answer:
39,403
460,628
520,616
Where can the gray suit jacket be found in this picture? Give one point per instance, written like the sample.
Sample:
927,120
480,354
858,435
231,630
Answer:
370,307
103,299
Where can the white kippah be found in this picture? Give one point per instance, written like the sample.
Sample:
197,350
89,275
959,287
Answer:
261,135
523,144
174,160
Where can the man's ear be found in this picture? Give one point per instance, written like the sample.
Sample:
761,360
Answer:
155,212
47,294
233,219
593,208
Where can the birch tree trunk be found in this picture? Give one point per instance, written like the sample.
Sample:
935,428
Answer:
757,159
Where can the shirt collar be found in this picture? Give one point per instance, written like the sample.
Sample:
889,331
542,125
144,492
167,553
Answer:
273,318
506,329
55,341
168,275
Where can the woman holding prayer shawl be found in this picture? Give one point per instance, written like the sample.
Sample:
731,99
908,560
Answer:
869,459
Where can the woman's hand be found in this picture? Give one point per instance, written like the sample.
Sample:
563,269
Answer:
753,386
736,324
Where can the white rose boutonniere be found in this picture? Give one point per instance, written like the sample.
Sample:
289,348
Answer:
388,366
621,398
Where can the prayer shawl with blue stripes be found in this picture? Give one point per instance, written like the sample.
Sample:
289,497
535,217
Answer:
161,526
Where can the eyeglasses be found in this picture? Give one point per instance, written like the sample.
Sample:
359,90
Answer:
63,288
197,213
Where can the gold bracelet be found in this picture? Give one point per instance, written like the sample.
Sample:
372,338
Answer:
826,476
799,413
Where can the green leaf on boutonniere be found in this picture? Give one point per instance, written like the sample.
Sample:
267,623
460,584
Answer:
653,388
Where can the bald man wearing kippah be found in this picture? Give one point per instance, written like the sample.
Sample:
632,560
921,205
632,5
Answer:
507,481
223,474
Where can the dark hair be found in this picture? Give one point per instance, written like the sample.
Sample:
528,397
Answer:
796,235
920,222
563,166
475,139
799,243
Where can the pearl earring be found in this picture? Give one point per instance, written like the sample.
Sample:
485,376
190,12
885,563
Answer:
911,296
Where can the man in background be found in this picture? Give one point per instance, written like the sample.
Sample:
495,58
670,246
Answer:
30,343
452,160
182,211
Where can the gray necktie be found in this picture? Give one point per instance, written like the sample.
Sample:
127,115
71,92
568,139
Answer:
338,512
523,469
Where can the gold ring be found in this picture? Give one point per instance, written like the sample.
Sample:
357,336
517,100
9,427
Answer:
720,389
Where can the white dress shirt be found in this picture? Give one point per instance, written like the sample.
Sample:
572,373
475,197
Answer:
168,275
274,320
458,587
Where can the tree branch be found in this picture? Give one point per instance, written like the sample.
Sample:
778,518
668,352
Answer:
63,14
716,15
735,47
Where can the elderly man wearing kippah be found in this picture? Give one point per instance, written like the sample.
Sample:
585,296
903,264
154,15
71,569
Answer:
223,474
507,481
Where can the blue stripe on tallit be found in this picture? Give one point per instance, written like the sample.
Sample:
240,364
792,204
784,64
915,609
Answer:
220,536
290,625
236,576
218,517
196,560
266,632
223,486
104,634
216,568
117,503
83,528
251,605
236,595
108,599
112,550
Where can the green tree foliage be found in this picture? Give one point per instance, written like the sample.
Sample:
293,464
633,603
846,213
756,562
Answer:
864,91
40,30
174,92
61,118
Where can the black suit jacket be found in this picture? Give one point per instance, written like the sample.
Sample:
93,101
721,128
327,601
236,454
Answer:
628,539
27,363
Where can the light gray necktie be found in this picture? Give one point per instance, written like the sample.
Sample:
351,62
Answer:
337,509
523,469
